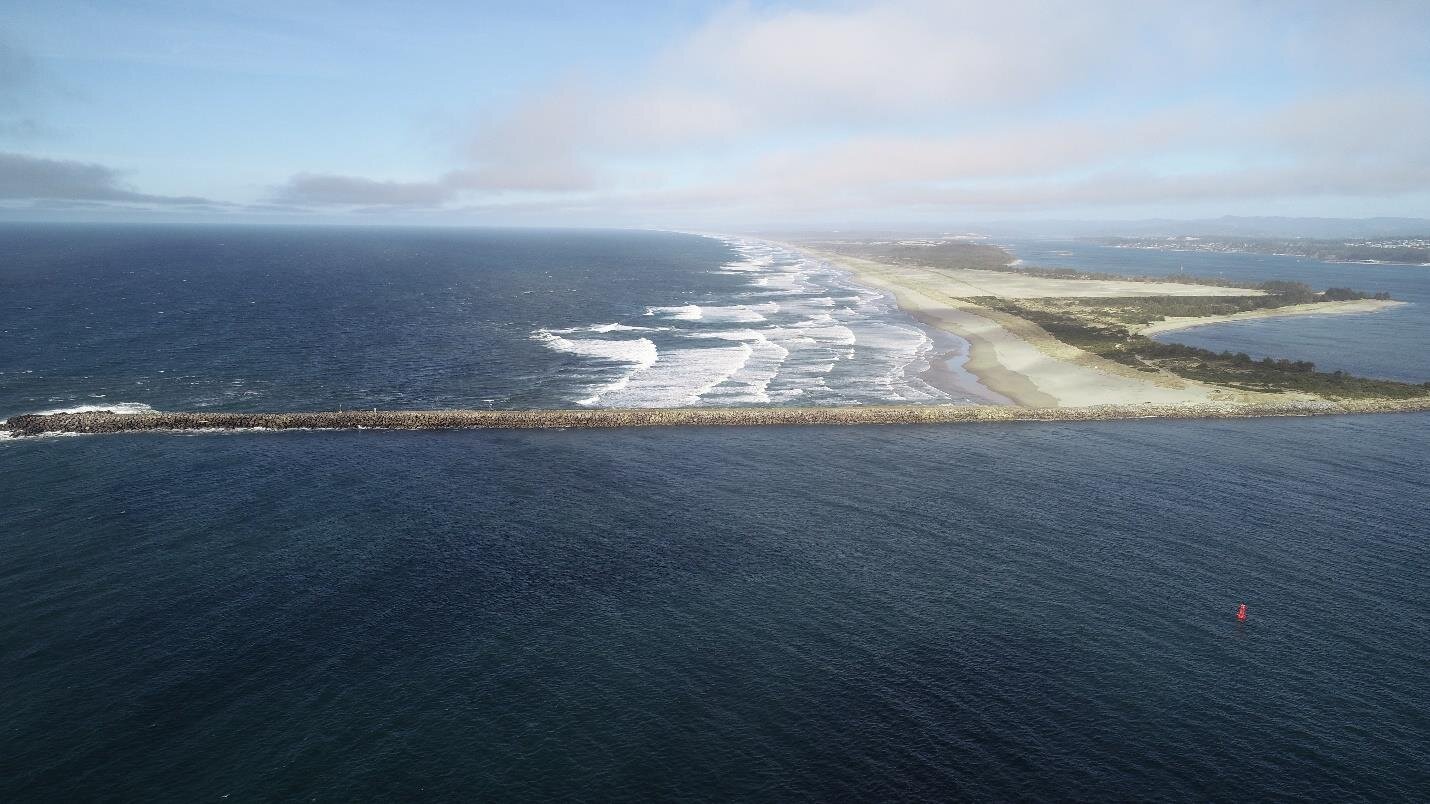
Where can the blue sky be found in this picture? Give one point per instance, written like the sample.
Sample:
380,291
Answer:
712,114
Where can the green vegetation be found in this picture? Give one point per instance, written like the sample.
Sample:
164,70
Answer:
1085,324
961,254
1151,309
1346,294
1073,273
928,254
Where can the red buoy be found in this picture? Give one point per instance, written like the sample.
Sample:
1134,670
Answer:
1241,613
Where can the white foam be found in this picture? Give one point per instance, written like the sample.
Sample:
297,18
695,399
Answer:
797,328
639,354
749,265
739,313
728,335
903,353
113,407
640,351
823,329
750,383
603,328
680,377
688,312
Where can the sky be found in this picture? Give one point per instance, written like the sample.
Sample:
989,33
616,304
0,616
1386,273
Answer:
711,114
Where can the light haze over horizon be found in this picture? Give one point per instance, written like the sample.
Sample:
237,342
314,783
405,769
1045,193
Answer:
698,114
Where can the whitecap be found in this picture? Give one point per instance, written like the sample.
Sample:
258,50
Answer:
749,265
641,351
113,407
688,312
639,354
603,328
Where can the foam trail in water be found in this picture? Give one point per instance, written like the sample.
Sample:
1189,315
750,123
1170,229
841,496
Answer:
750,265
750,383
739,313
680,377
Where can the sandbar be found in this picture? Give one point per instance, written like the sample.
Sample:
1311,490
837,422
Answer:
1315,308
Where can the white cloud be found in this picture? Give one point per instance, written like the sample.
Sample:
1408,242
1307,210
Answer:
961,106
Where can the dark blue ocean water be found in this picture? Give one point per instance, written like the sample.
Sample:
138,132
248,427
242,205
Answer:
1001,612
284,318
1391,344
900,613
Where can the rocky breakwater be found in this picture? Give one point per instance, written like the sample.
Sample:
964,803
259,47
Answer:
109,422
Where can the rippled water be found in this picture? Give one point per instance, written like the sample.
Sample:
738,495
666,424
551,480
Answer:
999,612
272,318
1392,344
882,613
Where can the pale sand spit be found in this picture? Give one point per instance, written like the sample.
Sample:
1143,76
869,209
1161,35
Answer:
1316,308
964,283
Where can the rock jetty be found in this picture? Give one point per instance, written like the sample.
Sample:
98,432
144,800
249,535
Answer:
110,422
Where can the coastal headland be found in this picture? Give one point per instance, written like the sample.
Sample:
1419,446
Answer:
95,422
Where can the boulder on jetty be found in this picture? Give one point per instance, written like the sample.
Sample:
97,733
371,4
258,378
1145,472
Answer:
110,422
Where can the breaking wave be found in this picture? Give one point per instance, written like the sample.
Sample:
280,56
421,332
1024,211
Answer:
639,354
688,312
602,328
115,407
784,329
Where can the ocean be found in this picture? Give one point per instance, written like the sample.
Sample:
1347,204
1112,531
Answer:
275,318
1011,611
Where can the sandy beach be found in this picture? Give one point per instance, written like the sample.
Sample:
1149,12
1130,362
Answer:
1017,358
1318,308
1021,361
